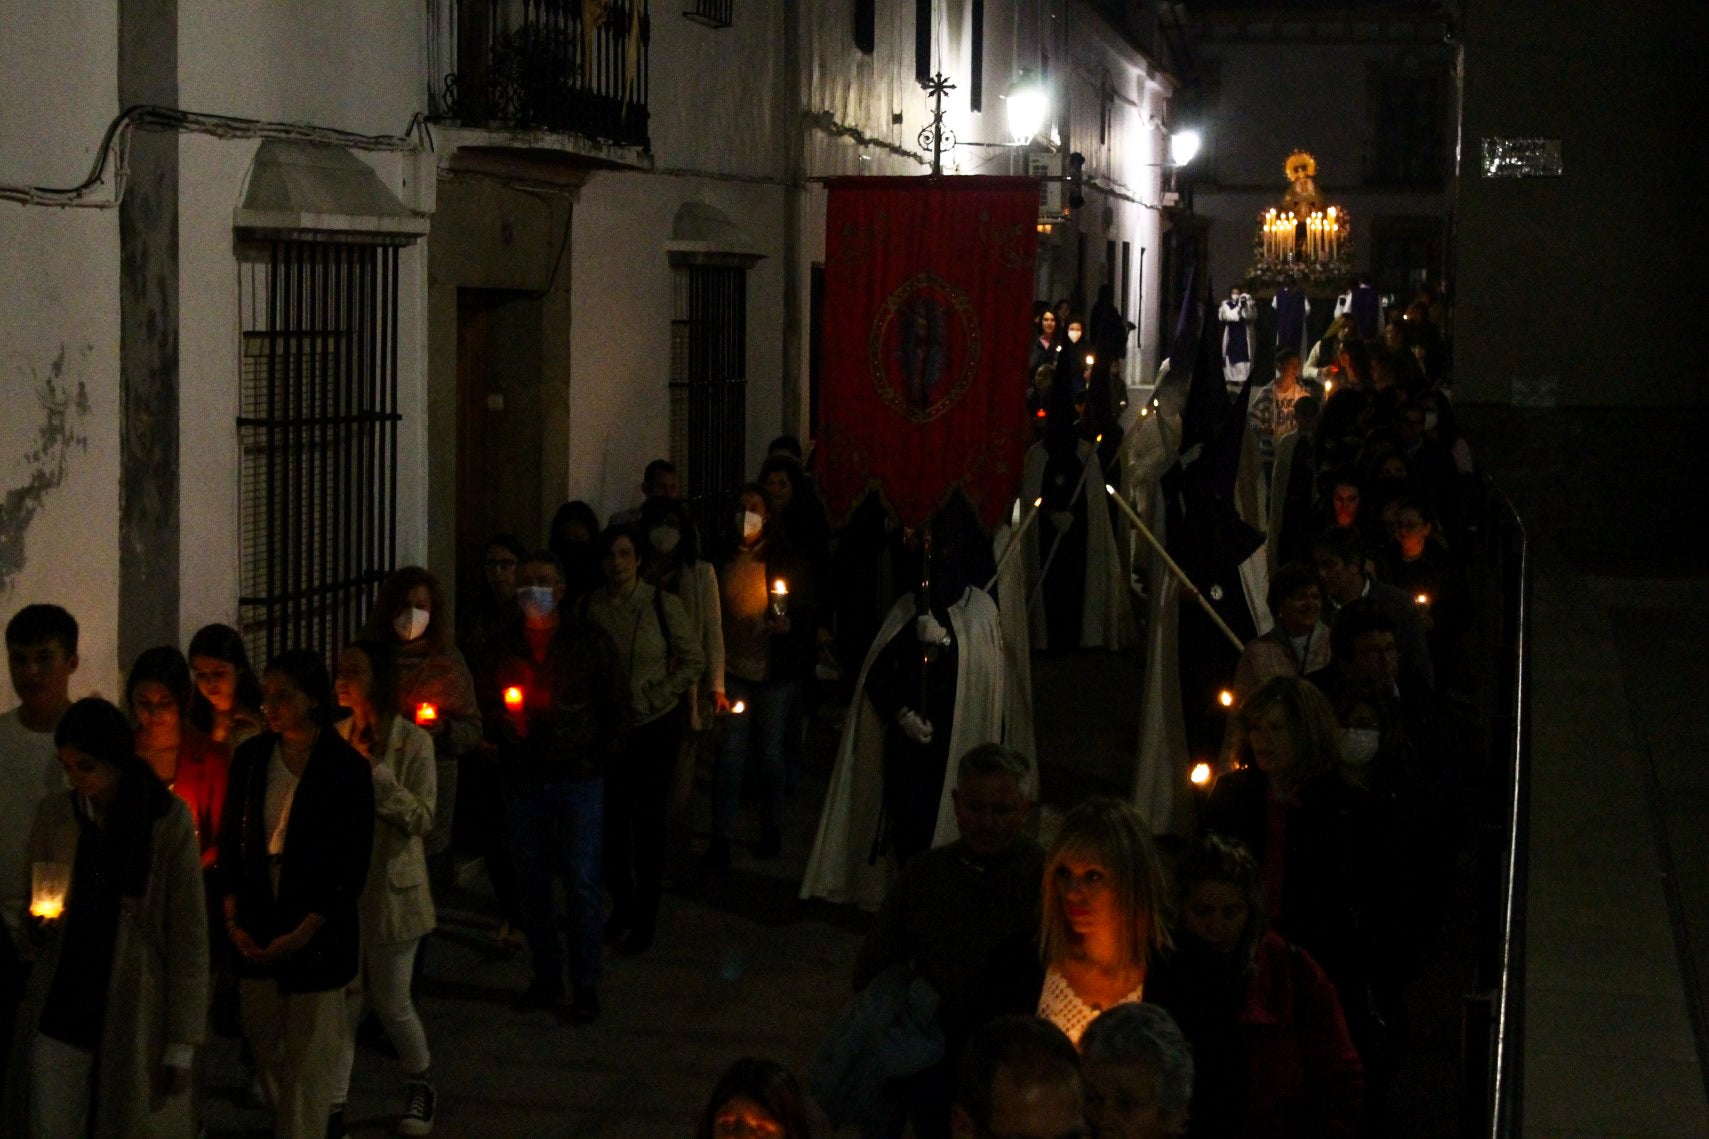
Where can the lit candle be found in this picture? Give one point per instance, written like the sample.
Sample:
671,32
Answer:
779,597
1422,599
738,708
426,713
50,882
1334,235
1201,774
513,699
1225,698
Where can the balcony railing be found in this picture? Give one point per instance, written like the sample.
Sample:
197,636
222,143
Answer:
575,66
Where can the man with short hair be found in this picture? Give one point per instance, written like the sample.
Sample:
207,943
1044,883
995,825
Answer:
956,906
1339,554
1019,1079
1363,646
659,480
41,651
1139,1073
556,703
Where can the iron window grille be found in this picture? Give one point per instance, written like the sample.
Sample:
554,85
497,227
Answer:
317,427
708,387
712,13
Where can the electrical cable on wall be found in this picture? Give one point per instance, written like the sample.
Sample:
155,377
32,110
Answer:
115,149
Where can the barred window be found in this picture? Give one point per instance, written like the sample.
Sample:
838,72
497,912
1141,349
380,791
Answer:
709,408
317,426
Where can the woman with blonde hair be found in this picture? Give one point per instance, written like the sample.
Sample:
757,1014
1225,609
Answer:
1102,914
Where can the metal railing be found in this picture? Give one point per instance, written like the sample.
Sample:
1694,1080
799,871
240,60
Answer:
556,65
1495,1011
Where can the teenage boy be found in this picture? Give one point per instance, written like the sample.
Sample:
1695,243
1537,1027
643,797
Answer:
41,649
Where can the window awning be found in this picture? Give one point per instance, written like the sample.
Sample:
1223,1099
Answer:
305,190
702,235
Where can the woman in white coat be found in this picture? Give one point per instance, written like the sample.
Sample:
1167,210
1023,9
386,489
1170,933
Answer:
117,1002
396,907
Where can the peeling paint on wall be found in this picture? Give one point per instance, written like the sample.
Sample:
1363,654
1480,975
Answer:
64,406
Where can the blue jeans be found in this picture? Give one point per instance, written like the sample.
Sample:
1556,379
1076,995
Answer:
759,733
557,827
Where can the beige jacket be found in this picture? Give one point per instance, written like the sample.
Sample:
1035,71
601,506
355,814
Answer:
396,905
157,994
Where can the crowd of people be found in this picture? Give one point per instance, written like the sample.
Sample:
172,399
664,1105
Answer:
260,851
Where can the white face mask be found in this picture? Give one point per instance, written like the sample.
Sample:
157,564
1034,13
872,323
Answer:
751,524
664,538
1074,336
536,601
411,623
1359,745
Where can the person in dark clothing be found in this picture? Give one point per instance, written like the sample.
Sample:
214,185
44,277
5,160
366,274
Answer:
555,701
571,540
1419,563
958,910
295,842
1272,1057
1311,835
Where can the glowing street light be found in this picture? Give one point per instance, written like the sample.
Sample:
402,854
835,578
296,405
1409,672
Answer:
1028,107
1184,146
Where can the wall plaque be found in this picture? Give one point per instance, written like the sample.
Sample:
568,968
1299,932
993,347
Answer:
1522,158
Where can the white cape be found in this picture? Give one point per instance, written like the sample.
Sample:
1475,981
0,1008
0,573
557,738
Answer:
1106,608
841,867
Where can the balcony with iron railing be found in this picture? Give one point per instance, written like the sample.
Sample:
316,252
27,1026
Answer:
570,67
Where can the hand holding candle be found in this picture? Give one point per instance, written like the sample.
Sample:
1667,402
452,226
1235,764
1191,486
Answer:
50,882
780,598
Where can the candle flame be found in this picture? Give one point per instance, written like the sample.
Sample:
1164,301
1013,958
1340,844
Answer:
1201,774
739,707
426,713
778,587
1108,489
1225,698
513,697
48,909
1422,599
1328,386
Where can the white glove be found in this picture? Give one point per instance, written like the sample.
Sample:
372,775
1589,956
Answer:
915,726
927,629
1062,519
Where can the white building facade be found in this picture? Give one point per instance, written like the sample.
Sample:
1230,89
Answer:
356,286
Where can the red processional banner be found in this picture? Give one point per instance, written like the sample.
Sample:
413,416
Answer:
928,303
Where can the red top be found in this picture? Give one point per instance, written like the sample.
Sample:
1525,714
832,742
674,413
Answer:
203,768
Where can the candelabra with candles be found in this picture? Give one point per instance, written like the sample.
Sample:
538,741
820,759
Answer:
1305,237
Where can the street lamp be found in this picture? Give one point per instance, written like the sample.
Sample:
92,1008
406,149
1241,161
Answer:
1028,106
1183,147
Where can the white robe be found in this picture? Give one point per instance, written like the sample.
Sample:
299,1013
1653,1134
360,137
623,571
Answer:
1106,607
841,869
1237,314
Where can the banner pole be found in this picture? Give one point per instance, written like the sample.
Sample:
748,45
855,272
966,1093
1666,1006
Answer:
1180,574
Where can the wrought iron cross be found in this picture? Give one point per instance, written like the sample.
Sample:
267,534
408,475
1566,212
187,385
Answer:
941,139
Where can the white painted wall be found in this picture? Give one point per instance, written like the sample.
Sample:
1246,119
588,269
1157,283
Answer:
60,320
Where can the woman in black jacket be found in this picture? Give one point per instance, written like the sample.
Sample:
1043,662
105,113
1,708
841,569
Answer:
294,849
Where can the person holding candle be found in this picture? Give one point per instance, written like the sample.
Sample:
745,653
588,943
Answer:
1340,554
557,705
1102,914
293,860
396,909
410,612
41,653
226,705
661,659
117,1003
768,657
1271,1052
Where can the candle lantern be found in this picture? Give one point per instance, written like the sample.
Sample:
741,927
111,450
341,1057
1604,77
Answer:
426,714
50,882
780,598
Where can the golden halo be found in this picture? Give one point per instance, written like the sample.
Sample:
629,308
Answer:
1301,164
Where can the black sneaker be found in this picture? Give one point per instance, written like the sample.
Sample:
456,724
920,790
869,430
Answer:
537,997
418,1109
335,1123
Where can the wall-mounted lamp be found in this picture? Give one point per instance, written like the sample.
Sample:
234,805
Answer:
1028,105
